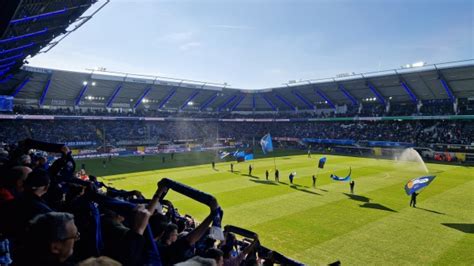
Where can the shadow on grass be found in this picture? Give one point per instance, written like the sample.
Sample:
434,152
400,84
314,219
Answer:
298,185
116,178
376,206
431,211
217,170
438,172
322,189
283,183
465,228
357,197
235,172
304,190
265,182
251,176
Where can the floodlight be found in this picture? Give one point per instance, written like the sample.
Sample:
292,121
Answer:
93,83
190,103
418,64
84,83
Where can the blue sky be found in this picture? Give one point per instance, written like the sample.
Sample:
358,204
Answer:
261,44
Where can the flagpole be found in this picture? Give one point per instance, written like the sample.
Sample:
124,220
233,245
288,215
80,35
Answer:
274,160
317,172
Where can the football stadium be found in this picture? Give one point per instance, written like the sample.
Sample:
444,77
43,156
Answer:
117,166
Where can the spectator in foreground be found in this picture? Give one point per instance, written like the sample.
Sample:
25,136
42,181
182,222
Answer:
49,240
11,185
216,254
27,206
173,249
100,261
237,260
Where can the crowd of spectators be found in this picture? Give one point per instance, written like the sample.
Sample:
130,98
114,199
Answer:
366,109
418,132
53,215
466,106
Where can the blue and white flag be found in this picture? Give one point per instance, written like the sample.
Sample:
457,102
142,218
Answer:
236,153
266,143
337,178
417,184
223,154
321,163
243,156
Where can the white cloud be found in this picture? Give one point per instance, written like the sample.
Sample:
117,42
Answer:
189,45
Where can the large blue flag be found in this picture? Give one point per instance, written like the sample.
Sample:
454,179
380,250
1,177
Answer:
322,161
242,156
266,143
417,184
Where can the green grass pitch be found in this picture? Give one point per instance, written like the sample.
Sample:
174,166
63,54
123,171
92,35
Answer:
326,224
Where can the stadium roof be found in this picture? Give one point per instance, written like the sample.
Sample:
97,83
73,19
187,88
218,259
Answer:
101,89
28,27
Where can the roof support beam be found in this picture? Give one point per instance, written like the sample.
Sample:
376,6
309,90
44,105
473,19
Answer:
254,103
40,16
377,94
4,71
283,100
320,93
8,65
20,87
167,98
7,78
208,102
16,38
13,57
347,94
409,91
238,102
19,48
81,93
114,94
303,99
447,89
269,102
45,90
222,106
190,98
145,93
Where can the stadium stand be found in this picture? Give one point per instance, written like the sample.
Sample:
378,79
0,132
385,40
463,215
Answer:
419,133
53,214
